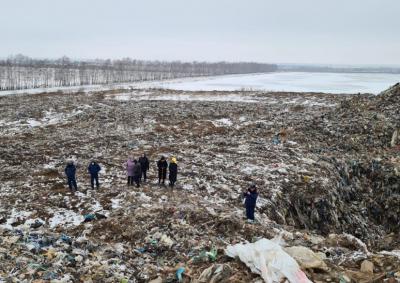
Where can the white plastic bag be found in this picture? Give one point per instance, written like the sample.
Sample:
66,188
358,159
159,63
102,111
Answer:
267,258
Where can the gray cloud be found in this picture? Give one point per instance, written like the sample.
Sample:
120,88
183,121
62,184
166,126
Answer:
296,31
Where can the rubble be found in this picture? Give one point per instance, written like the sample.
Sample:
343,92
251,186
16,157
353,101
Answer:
367,267
306,258
327,168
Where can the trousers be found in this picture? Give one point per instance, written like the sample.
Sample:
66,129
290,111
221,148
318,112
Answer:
72,183
250,212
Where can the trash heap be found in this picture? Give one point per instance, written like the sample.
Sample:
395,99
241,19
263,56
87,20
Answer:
327,168
357,189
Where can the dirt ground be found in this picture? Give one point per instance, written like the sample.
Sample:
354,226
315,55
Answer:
327,168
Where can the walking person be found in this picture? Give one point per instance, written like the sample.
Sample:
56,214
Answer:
70,171
137,173
173,172
162,166
94,169
144,164
250,202
129,170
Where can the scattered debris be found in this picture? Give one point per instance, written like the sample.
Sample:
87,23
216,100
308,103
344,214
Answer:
328,175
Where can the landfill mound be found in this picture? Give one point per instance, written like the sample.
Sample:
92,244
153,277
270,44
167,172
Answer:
326,166
356,150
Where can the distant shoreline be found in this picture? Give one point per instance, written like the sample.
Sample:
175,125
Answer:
280,81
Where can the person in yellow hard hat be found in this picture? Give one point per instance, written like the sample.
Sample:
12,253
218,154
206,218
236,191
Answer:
173,172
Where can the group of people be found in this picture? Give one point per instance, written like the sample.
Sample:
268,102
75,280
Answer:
93,169
136,171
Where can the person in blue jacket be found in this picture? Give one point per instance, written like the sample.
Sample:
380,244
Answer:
94,169
250,202
70,171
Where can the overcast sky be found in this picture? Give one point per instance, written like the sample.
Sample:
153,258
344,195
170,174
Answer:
279,31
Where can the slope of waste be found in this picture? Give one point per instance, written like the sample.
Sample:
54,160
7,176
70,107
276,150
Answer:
327,168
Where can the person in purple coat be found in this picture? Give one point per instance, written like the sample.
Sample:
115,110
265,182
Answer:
129,170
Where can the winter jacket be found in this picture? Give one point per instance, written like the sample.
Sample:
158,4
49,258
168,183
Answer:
251,198
162,165
144,163
173,171
129,168
70,171
137,170
94,168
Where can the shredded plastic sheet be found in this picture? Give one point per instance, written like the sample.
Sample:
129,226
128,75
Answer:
267,258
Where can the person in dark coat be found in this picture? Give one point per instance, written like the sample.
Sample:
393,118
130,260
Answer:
144,164
137,173
250,202
162,165
173,172
94,169
70,171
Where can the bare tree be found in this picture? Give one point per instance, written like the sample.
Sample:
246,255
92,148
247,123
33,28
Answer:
22,72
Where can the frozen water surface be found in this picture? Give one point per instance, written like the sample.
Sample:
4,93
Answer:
289,81
279,81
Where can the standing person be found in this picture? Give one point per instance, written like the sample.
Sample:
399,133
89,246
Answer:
70,171
137,173
144,164
129,170
162,165
94,169
250,202
173,172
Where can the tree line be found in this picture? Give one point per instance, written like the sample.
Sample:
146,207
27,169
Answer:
22,72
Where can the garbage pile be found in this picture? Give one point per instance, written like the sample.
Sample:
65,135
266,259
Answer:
356,161
327,168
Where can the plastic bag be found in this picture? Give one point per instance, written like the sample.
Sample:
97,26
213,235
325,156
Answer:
267,258
179,273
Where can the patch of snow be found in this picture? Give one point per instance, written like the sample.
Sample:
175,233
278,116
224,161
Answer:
66,218
116,203
96,207
188,187
395,253
192,97
15,216
223,122
33,123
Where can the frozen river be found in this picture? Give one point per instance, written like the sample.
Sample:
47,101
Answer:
288,81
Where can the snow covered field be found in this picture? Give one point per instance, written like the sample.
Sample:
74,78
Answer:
283,81
289,81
